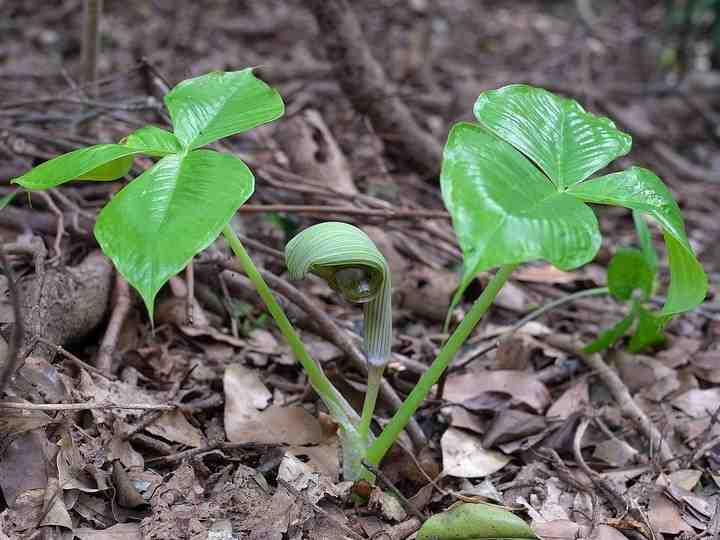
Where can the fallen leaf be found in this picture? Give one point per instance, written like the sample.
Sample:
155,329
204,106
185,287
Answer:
523,387
575,398
387,506
465,457
22,467
245,395
514,297
467,521
698,403
665,516
686,478
460,417
512,424
545,273
174,427
615,452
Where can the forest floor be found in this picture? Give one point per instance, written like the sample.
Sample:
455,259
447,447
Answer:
230,441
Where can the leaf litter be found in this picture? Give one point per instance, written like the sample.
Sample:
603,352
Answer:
261,460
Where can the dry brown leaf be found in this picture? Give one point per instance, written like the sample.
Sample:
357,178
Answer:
460,417
685,478
523,387
615,452
510,425
698,403
121,531
574,399
545,273
514,297
245,395
174,427
665,516
465,457
22,467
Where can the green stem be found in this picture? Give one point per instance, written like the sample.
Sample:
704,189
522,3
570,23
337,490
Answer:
392,430
373,388
339,408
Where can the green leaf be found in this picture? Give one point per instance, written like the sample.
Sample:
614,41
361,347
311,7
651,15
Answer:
645,240
467,521
565,141
611,335
153,141
649,330
629,270
641,190
7,199
157,223
99,162
505,210
213,106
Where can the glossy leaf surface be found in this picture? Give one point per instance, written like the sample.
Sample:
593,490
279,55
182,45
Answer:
153,141
516,187
468,521
641,190
219,104
155,225
505,211
99,162
566,142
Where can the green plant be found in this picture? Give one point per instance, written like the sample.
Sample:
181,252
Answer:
632,277
515,185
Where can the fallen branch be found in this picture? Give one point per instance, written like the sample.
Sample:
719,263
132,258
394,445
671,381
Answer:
619,392
90,405
371,92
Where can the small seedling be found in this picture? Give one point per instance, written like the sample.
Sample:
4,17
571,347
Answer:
632,277
516,185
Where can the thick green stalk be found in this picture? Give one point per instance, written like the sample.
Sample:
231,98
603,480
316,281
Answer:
392,430
373,388
339,408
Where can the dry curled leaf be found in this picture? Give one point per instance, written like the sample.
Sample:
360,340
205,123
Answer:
523,387
465,457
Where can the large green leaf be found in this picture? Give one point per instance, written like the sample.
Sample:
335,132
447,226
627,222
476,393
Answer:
99,162
505,211
516,188
645,240
207,108
155,225
153,141
468,521
566,142
641,190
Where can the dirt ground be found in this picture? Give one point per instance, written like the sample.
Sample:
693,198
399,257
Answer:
226,438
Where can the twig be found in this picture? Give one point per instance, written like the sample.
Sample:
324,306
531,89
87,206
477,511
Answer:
74,359
387,214
16,338
364,82
192,452
90,40
295,493
620,505
407,505
90,405
119,314
619,392
60,225
190,298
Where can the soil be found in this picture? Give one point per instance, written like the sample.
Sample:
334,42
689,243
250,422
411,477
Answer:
229,441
